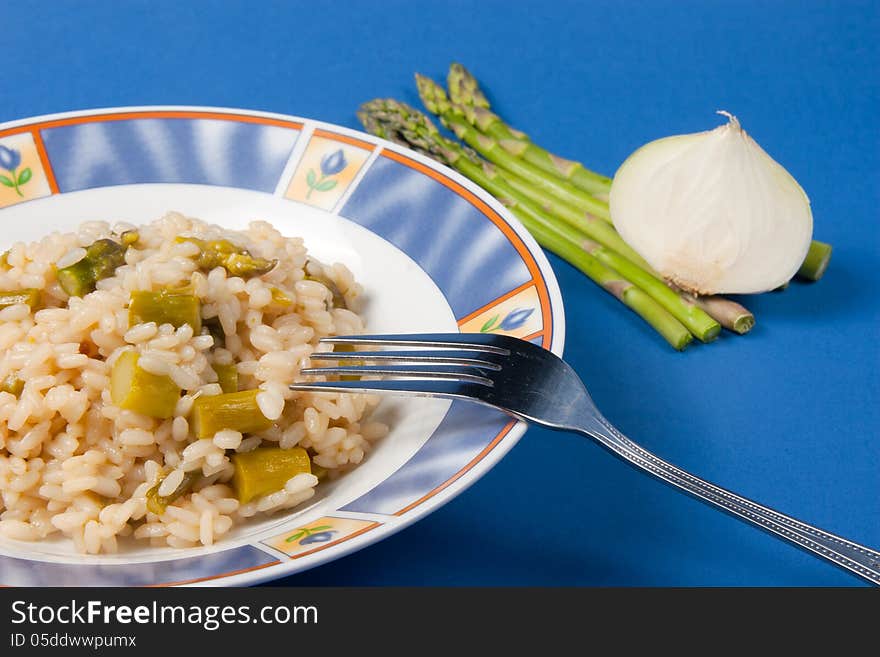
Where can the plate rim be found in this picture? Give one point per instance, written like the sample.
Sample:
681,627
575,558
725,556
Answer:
283,568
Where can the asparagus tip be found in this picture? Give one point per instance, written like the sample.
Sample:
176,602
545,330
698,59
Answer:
432,94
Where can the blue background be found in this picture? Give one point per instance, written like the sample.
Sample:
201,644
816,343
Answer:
786,415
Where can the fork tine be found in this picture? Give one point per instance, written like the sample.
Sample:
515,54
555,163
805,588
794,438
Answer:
462,358
405,371
466,341
418,388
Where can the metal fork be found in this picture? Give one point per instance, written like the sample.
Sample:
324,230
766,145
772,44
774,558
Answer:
536,386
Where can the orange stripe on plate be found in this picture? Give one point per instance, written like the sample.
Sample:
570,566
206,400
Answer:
155,114
363,530
205,579
495,302
494,217
479,457
44,161
534,335
345,139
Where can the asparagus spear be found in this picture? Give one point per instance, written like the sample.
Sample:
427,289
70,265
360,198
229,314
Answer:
400,123
729,314
692,316
468,98
472,104
435,99
598,229
816,261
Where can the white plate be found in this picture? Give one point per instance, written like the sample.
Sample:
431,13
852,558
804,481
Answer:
433,251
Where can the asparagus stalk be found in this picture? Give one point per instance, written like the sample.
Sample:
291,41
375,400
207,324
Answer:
404,125
688,313
729,314
598,229
816,261
465,92
437,102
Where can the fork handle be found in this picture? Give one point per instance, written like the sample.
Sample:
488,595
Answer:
858,559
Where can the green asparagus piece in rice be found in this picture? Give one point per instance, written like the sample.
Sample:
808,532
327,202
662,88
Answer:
29,296
132,388
238,411
158,503
165,307
227,377
280,298
234,259
214,328
129,238
100,261
338,298
266,469
12,384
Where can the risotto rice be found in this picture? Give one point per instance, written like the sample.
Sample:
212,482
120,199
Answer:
74,462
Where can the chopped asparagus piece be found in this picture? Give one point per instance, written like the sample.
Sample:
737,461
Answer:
348,347
280,298
227,377
238,411
134,389
129,237
101,260
338,298
213,328
165,307
266,470
157,503
235,259
29,296
12,384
